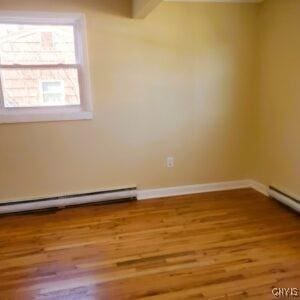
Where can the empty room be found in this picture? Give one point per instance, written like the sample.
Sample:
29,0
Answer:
149,149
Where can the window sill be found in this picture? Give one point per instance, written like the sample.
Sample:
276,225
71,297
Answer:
44,117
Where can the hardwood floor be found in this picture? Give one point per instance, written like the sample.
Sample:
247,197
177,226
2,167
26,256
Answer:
224,245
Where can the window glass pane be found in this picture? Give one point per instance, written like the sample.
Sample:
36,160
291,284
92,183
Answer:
40,87
52,87
37,44
53,92
53,98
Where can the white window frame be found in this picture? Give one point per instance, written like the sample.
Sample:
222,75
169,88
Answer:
53,113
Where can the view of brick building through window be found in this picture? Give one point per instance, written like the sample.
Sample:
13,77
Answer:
37,65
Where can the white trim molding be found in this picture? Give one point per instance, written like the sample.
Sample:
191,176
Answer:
60,201
201,188
259,187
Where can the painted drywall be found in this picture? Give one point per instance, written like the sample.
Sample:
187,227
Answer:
179,83
279,95
141,8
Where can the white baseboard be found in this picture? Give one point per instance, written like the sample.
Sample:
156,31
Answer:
33,204
259,187
201,188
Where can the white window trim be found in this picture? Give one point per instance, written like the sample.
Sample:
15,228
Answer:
84,111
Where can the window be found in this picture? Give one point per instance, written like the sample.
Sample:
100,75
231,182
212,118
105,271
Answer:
43,68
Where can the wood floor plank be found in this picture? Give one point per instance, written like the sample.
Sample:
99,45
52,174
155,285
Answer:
223,245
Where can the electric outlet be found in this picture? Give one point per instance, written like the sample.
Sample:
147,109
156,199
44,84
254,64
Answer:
170,162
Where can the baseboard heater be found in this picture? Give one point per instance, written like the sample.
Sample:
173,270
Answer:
282,197
69,200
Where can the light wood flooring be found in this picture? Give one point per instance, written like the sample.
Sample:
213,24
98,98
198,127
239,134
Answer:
223,245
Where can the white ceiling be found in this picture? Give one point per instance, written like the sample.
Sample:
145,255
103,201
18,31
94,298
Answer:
244,1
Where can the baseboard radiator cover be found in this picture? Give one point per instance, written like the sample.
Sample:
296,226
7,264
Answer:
68,200
282,197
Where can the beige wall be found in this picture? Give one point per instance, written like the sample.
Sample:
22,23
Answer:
279,94
181,83
141,8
